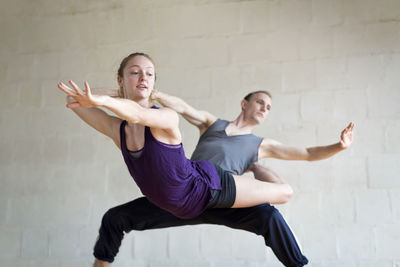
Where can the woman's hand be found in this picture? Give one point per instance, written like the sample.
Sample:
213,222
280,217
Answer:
81,99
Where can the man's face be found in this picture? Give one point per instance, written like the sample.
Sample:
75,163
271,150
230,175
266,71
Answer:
257,108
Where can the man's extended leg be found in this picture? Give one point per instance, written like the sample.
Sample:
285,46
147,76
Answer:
264,220
140,214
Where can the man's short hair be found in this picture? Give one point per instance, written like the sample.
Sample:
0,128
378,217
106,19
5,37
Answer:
248,96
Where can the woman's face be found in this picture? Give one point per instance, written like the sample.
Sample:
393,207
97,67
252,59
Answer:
138,80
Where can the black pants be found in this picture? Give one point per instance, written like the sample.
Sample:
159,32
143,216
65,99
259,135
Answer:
140,214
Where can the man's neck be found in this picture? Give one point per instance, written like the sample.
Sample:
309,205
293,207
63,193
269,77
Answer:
240,126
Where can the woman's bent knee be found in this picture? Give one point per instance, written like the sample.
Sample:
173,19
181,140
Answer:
286,194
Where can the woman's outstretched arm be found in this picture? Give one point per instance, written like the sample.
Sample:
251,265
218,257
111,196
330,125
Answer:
95,117
165,119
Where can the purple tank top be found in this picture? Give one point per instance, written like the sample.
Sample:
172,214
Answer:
169,179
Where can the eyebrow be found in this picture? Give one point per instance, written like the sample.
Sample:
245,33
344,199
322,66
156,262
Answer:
149,67
264,102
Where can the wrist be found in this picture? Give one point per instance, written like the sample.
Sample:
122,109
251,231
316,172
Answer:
70,99
155,95
342,146
103,100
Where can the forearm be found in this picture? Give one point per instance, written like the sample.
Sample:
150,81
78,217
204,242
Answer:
94,117
124,108
265,174
323,152
102,97
198,118
171,102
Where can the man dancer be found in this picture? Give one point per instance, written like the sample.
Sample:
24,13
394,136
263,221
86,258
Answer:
231,146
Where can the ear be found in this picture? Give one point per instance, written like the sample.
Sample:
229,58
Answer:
119,80
243,103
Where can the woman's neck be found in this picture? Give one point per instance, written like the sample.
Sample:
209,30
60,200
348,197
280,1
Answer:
144,102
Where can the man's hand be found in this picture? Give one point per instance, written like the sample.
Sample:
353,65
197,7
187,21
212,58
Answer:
154,95
346,137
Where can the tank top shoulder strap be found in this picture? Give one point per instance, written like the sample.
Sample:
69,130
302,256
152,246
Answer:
122,136
122,131
219,125
258,140
147,134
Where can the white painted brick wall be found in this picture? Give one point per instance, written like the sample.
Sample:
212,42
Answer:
395,203
317,107
217,243
387,178
248,245
387,236
373,207
321,243
298,76
184,243
355,242
35,245
337,208
10,242
326,62
392,133
151,245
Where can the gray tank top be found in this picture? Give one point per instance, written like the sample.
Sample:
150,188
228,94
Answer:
234,154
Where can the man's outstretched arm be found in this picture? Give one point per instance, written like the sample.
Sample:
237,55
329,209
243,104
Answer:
273,149
112,92
200,118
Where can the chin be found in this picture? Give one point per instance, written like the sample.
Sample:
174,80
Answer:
143,94
256,120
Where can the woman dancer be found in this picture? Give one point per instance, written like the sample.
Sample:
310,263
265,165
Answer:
150,141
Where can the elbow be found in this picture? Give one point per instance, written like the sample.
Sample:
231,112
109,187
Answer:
309,154
288,193
310,157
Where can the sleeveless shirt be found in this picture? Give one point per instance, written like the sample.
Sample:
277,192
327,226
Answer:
170,180
234,154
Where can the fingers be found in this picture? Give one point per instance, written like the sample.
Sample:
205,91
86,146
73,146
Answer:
65,89
349,128
75,91
88,92
73,105
76,88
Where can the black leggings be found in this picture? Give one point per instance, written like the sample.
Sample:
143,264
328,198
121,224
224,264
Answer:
140,214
